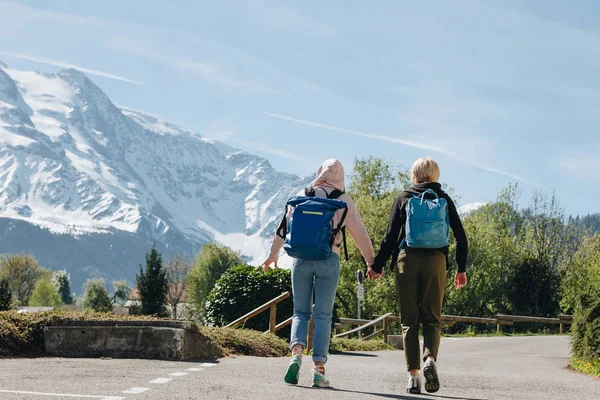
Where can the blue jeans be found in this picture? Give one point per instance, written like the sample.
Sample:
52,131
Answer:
322,277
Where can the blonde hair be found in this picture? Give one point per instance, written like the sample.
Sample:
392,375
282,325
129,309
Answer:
425,170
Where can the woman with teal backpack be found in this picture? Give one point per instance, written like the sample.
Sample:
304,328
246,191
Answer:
417,236
312,231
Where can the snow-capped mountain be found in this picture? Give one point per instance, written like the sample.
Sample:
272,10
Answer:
87,186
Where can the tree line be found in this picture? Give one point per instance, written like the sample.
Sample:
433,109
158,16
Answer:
161,287
529,261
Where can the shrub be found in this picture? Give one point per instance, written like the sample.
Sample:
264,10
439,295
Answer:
338,345
244,288
585,339
247,342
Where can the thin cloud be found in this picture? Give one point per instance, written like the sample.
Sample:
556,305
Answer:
67,65
269,150
409,143
205,71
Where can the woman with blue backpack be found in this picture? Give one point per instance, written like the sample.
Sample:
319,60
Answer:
311,232
418,236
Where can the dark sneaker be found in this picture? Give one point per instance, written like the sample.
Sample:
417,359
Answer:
414,385
293,372
432,381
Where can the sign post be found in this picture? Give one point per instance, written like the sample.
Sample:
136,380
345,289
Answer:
360,290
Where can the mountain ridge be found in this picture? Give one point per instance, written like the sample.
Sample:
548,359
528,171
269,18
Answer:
76,166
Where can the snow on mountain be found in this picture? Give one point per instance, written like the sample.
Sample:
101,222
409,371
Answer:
76,169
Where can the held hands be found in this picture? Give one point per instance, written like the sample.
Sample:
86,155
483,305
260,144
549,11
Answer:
460,280
373,275
268,263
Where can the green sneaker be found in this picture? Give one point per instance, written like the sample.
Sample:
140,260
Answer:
319,380
293,372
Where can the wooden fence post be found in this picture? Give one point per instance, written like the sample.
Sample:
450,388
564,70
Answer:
499,327
273,318
385,330
311,332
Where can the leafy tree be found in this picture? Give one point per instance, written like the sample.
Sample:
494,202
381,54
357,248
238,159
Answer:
22,272
242,289
178,269
152,285
580,278
5,295
210,263
374,185
45,295
62,282
588,222
95,297
121,294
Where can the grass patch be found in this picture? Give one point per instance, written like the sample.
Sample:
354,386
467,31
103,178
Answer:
247,342
587,367
340,345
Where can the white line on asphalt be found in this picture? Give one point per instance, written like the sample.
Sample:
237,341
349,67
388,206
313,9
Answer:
179,374
194,369
86,396
208,364
136,390
161,380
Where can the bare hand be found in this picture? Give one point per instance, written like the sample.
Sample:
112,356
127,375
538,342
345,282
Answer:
373,275
268,263
460,280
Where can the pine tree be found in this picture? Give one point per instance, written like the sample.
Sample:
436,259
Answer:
5,295
62,282
152,285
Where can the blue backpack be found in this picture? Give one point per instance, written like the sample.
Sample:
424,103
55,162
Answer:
427,222
310,234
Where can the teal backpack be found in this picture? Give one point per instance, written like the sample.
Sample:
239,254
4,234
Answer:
427,222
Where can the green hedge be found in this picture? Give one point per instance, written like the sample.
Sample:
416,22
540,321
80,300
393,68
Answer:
585,332
244,288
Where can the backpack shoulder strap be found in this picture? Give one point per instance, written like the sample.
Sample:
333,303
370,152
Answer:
335,194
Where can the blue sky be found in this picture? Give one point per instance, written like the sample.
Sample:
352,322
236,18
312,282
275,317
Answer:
497,92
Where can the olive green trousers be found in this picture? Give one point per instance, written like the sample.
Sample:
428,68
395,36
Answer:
420,283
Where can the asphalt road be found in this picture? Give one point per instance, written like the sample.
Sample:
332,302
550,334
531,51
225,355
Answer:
470,368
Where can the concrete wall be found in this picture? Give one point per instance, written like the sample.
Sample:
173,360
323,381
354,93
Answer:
162,340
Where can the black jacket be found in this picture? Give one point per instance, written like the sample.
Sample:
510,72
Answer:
396,224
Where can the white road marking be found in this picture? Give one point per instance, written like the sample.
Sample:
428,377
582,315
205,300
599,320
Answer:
194,369
208,364
161,380
179,374
85,396
136,390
